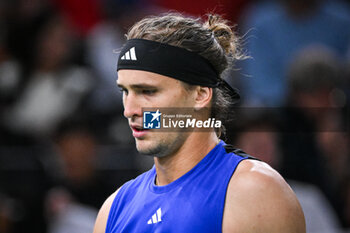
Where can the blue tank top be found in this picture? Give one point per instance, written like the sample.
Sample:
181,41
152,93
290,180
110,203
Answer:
192,203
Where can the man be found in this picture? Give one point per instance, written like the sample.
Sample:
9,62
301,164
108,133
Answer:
197,184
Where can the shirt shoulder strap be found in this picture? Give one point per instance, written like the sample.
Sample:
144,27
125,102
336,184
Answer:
230,149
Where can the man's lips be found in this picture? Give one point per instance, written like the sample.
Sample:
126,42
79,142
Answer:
138,131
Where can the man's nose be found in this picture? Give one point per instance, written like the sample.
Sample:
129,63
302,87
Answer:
132,107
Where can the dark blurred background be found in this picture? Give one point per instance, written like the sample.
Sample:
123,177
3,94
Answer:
65,146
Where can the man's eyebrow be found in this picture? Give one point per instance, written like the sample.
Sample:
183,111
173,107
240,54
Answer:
138,86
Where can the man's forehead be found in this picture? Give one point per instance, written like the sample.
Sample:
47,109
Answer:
135,77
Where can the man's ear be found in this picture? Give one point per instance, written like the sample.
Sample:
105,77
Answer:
203,97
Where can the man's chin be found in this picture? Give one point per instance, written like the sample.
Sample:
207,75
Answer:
142,146
146,148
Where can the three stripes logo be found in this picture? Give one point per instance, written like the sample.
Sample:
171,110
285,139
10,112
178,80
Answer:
157,217
130,55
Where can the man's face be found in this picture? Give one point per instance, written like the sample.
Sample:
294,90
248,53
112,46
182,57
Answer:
142,89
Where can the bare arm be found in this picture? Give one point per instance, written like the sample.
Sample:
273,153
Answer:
101,220
258,200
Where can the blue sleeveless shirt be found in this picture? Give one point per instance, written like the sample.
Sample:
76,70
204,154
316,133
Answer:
192,203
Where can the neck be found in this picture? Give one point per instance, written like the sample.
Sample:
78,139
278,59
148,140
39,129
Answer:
195,148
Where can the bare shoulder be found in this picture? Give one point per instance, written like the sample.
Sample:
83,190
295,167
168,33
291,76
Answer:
258,199
101,220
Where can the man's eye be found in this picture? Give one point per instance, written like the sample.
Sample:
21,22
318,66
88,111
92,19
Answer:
123,90
148,92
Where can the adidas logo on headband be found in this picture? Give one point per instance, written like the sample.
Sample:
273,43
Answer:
129,55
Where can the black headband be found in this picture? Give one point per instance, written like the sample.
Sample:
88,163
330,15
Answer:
171,61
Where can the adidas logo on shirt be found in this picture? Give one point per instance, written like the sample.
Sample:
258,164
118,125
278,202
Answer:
130,55
157,217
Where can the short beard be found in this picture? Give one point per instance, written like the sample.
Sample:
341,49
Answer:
164,149
158,151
